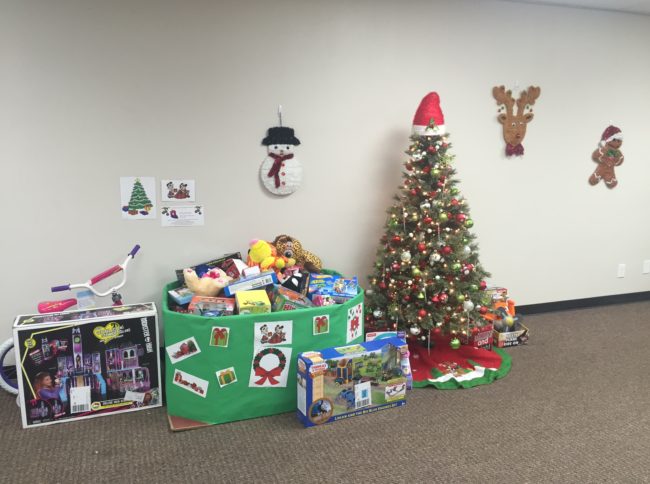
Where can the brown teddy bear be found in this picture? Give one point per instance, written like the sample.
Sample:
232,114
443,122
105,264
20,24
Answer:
608,155
289,247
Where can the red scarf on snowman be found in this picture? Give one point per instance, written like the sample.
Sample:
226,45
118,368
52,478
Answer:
277,164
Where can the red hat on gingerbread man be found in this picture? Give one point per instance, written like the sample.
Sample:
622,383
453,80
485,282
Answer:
611,133
429,110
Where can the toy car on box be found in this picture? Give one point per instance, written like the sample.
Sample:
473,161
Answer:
341,382
81,364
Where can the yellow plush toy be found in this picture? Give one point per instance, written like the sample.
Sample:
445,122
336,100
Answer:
263,254
290,247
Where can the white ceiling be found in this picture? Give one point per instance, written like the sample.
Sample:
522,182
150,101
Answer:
629,6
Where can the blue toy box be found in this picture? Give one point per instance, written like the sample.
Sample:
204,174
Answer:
346,381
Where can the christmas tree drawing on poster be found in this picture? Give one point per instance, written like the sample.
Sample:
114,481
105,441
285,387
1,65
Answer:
427,279
135,199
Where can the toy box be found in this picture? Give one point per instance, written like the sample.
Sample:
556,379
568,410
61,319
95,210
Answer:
341,382
253,302
212,306
258,281
86,363
339,288
181,295
204,267
479,337
286,300
511,338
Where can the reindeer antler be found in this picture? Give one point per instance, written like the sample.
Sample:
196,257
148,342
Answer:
527,97
504,97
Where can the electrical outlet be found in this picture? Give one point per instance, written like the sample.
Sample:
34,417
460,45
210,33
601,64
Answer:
646,266
621,270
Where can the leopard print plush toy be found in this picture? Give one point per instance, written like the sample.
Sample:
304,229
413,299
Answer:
289,247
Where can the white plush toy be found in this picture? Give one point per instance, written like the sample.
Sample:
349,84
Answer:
281,172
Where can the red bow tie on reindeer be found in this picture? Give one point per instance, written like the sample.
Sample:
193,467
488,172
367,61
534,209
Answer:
514,125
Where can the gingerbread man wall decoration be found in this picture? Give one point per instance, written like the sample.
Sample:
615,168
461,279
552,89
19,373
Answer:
608,155
514,124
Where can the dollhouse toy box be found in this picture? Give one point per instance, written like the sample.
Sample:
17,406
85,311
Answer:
80,364
346,381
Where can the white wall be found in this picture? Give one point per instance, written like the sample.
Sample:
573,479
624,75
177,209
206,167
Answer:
91,91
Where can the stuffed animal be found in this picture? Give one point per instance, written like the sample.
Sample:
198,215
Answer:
290,247
210,284
263,254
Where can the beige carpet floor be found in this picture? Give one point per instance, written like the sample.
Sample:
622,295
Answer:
574,408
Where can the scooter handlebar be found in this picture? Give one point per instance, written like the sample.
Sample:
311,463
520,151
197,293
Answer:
134,250
65,287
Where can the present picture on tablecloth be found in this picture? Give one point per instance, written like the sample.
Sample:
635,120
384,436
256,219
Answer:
270,367
321,324
355,322
219,336
226,377
183,350
191,383
273,333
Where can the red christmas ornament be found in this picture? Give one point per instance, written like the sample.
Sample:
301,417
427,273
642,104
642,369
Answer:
395,266
443,297
431,149
461,217
483,285
475,330
435,299
407,298
414,191
422,313
382,285
422,246
437,331
454,202
426,169
483,310
433,194
446,250
396,239
427,220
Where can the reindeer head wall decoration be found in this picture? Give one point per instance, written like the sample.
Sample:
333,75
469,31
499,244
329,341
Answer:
514,125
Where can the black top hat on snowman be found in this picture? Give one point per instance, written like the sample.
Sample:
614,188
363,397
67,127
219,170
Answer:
280,135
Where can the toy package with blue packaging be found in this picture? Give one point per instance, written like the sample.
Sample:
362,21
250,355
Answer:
346,381
81,364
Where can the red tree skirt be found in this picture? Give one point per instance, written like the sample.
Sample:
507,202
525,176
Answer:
446,369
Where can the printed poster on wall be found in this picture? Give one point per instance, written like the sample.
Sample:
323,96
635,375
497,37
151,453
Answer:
182,216
177,190
138,197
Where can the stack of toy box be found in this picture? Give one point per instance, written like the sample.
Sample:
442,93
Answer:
346,381
509,329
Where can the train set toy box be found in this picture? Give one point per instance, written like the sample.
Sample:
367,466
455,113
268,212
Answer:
346,381
81,364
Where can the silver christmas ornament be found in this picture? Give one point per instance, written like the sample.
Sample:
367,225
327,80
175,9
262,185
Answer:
468,305
414,330
406,256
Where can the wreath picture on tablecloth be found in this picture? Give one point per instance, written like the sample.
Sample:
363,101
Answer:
270,367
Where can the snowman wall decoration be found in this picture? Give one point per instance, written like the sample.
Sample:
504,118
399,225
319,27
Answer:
281,171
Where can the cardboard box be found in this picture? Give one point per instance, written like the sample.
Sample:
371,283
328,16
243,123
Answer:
86,363
481,338
346,381
249,283
253,302
204,267
512,338
212,306
286,300
339,288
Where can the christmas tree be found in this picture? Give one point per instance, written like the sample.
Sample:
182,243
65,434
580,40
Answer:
139,201
427,277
